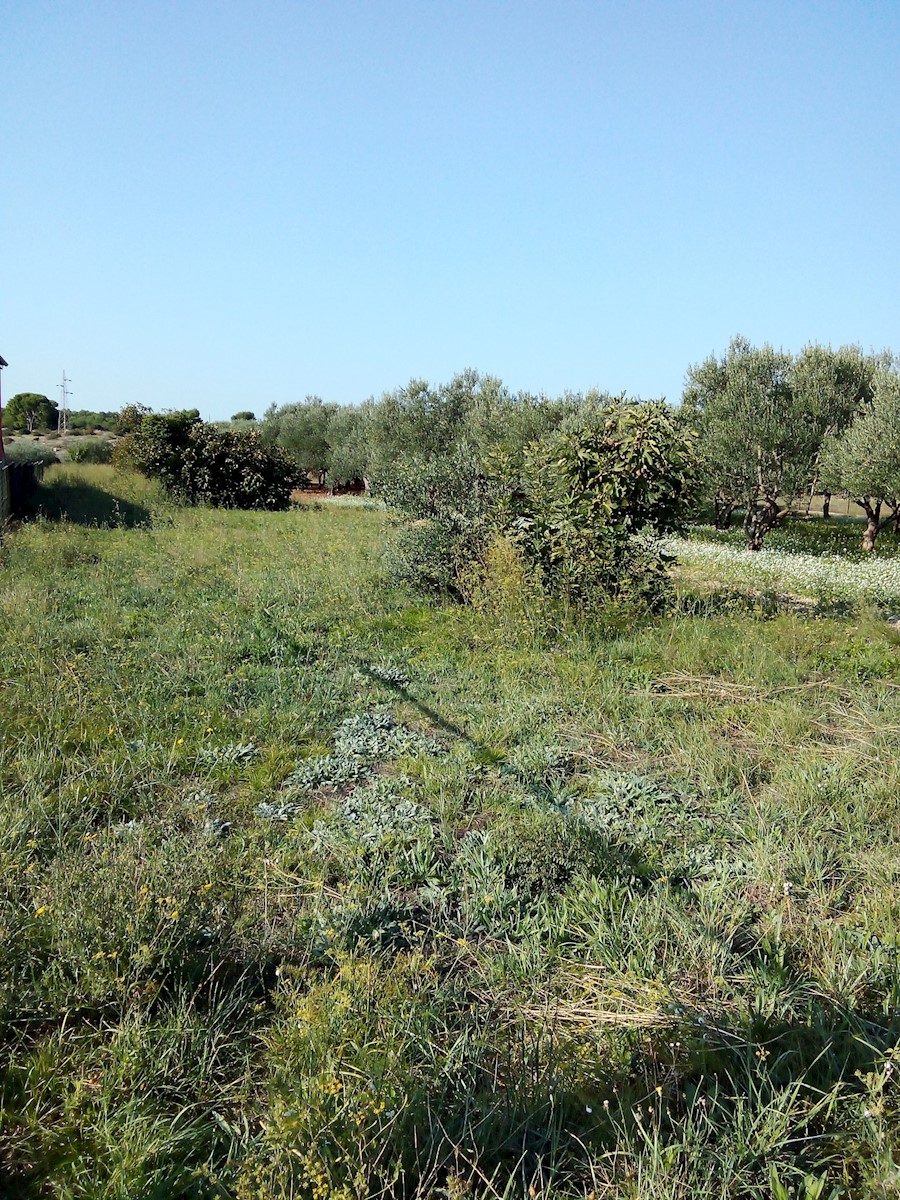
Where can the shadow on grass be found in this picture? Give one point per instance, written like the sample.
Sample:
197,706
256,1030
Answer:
483,753
761,603
84,504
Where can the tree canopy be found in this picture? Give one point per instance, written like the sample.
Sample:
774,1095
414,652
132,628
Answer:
864,460
31,411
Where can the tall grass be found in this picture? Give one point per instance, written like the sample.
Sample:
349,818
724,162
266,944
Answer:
311,890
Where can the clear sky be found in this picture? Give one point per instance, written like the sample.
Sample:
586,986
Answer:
225,204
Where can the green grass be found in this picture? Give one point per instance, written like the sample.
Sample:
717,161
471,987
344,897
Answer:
312,890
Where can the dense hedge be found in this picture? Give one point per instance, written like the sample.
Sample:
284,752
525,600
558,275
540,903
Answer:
202,464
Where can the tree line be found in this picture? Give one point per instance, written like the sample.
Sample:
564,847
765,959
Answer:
773,431
776,430
32,412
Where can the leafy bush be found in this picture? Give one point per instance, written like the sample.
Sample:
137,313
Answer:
91,450
574,502
232,469
160,441
452,510
124,453
631,471
27,452
202,464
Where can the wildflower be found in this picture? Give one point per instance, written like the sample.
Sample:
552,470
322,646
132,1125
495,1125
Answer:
39,912
179,742
174,914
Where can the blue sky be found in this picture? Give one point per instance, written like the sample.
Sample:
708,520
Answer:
228,204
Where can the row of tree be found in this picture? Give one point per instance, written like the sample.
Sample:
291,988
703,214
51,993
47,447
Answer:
776,430
32,412
475,416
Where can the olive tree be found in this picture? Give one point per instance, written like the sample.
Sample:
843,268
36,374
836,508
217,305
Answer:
758,439
301,430
348,452
864,460
833,386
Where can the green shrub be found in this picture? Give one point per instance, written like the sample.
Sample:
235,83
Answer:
124,453
427,557
27,452
91,450
452,510
159,445
577,503
202,464
592,493
542,853
232,469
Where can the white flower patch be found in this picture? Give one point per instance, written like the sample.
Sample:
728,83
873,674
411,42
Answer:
874,579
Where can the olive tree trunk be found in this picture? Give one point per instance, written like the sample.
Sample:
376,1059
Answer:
760,518
874,523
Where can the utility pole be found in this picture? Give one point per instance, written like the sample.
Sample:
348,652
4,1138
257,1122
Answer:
64,404
3,363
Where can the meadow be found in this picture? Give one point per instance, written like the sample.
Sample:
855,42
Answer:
311,889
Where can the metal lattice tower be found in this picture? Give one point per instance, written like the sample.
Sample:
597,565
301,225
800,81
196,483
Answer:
64,404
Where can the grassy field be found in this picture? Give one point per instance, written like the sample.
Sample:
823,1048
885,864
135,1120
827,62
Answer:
312,890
